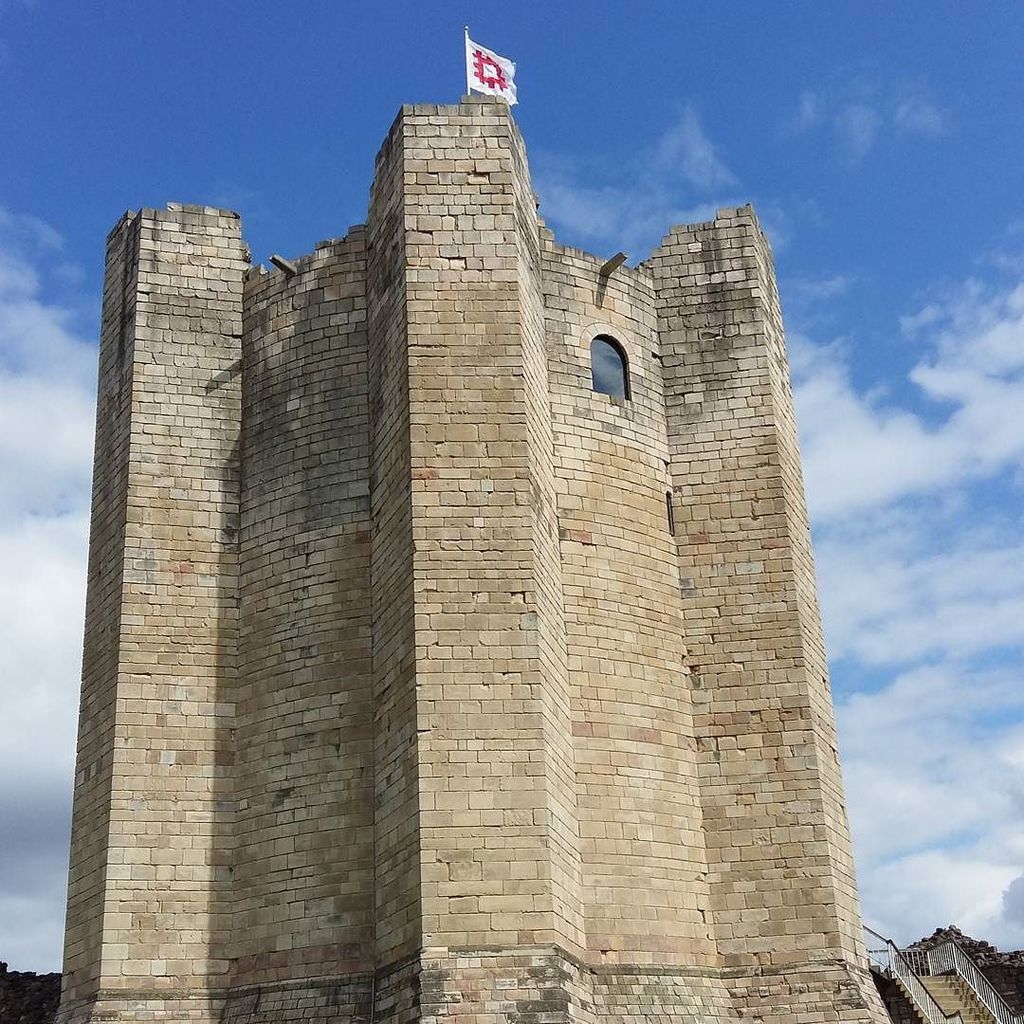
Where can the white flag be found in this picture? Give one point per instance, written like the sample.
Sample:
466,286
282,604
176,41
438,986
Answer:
488,73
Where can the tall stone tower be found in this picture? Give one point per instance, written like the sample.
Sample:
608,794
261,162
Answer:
452,644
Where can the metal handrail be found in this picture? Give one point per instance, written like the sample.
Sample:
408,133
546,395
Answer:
951,958
893,962
877,951
921,996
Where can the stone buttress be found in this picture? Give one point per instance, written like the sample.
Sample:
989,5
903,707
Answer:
422,681
149,909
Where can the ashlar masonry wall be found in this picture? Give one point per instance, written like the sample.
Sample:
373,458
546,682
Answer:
639,814
304,705
421,680
84,926
779,860
495,814
149,909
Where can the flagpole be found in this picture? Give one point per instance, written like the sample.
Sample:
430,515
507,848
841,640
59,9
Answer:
466,57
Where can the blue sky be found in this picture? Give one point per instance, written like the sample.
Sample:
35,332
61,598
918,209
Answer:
881,145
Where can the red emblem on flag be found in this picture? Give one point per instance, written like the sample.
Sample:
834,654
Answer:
488,71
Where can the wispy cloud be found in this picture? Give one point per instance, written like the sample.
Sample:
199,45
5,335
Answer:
919,116
679,178
860,117
804,293
27,234
926,316
811,111
857,126
686,149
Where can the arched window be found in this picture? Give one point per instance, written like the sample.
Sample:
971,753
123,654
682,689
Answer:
609,367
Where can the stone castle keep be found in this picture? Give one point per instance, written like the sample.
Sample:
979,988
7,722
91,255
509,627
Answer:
424,678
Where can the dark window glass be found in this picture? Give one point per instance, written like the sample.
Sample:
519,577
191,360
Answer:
609,367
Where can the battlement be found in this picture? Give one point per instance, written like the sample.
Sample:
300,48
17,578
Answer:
452,646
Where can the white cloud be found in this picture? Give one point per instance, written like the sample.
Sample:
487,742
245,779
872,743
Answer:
917,894
36,476
670,184
47,381
42,612
864,450
41,622
946,766
921,582
914,490
935,793
858,449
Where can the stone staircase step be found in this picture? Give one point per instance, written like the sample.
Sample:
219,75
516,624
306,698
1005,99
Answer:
954,995
911,1005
